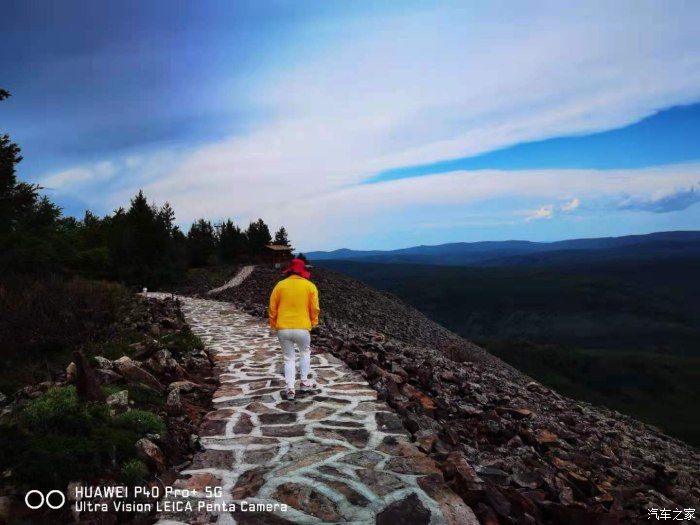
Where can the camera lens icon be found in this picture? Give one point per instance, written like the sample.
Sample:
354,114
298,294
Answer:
35,499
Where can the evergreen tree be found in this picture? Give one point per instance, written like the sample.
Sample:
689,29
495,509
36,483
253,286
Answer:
179,242
30,226
301,256
130,252
281,237
258,235
142,245
201,243
90,241
232,242
166,216
175,249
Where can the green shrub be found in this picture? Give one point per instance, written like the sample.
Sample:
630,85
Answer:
118,443
57,439
141,421
138,393
119,346
108,390
144,395
51,460
59,410
134,472
182,342
56,404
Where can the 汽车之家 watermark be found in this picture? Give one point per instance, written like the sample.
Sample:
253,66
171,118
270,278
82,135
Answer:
671,514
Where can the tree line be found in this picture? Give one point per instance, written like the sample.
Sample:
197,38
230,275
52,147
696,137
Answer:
138,245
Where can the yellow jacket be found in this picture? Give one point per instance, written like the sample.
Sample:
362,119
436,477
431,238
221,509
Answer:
294,304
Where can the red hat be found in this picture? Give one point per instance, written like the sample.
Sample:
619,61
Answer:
298,267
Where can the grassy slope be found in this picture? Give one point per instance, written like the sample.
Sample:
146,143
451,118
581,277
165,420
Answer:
624,335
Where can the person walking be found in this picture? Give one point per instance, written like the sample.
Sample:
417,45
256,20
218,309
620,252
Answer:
293,312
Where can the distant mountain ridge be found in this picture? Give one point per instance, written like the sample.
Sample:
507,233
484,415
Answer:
514,252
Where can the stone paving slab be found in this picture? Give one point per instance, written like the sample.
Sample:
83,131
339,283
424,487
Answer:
334,455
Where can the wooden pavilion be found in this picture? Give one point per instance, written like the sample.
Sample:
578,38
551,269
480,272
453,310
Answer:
278,254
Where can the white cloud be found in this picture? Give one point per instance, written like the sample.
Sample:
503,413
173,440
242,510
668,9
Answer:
323,218
433,85
452,82
113,182
548,211
319,217
427,86
543,212
400,199
572,205
79,176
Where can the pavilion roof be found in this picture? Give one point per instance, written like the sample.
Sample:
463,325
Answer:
279,247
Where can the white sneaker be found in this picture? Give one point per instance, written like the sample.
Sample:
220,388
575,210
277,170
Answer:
307,385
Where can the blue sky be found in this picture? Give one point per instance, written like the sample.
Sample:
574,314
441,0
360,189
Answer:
364,124
667,137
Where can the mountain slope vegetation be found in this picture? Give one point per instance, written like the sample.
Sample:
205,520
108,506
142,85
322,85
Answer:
624,334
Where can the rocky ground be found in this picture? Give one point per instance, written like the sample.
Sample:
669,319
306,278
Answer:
164,374
349,305
515,451
334,455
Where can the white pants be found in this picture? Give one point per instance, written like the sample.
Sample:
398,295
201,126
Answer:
288,338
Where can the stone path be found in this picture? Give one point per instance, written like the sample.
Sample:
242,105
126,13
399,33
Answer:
335,455
237,279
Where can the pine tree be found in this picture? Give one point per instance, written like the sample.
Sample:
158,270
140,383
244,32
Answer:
174,244
166,216
258,237
232,242
281,237
201,243
91,238
30,225
142,244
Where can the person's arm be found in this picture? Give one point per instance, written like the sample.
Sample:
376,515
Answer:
314,308
272,310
